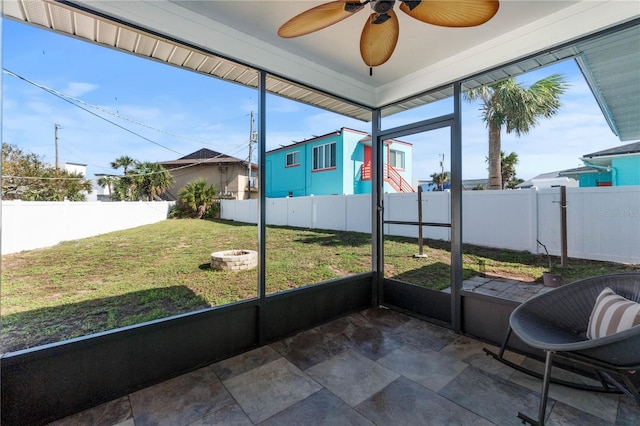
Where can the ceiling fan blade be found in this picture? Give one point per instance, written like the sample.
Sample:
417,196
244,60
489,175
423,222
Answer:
378,40
451,13
319,17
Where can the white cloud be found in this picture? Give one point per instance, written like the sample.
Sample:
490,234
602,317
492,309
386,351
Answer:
77,89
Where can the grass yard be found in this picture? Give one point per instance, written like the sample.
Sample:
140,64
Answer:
154,271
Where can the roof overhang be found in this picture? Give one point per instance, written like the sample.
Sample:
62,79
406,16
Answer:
231,40
614,78
575,173
603,160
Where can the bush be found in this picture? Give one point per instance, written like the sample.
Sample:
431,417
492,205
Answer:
196,200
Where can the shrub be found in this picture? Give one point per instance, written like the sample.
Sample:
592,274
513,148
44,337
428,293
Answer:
196,200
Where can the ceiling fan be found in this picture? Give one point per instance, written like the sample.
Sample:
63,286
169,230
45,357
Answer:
381,30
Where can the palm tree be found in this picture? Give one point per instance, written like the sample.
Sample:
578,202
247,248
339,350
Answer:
508,103
440,179
107,181
197,197
123,185
75,186
149,180
508,170
123,161
121,189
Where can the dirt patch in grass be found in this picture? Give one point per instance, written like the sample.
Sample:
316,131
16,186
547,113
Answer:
154,271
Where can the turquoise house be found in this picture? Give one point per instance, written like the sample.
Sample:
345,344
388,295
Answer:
335,163
619,166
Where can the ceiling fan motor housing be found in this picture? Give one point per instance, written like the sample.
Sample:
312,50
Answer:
382,6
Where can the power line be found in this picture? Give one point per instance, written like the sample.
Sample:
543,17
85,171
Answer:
73,101
43,178
115,114
61,96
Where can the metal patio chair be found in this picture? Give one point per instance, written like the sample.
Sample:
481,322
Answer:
556,323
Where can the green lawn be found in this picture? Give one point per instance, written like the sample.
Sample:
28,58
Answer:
154,271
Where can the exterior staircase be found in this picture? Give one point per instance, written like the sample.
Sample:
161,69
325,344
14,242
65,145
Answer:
390,175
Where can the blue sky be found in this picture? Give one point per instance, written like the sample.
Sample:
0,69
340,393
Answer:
168,113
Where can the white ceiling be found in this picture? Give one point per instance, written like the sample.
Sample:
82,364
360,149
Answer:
426,56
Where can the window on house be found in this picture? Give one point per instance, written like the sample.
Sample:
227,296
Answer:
293,159
324,156
396,159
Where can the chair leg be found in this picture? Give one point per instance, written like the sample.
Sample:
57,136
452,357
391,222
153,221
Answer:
546,380
503,347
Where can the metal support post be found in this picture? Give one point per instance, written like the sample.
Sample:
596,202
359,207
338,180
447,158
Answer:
563,225
377,209
456,211
262,205
420,242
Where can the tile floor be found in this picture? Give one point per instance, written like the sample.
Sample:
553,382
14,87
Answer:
376,367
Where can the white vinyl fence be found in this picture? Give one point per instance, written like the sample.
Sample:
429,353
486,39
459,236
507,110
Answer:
28,225
602,223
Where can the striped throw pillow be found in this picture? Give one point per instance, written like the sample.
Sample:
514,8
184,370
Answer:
612,314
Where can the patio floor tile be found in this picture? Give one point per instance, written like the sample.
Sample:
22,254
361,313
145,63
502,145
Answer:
563,414
405,402
371,341
471,352
503,288
604,406
424,335
352,376
270,388
242,363
430,369
628,412
322,408
491,397
181,400
311,347
116,412
231,415
384,318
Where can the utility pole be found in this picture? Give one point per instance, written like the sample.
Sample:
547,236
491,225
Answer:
252,139
56,127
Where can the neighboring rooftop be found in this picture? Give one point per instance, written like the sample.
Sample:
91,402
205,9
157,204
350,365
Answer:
548,180
314,138
470,184
631,148
204,156
205,153
578,171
